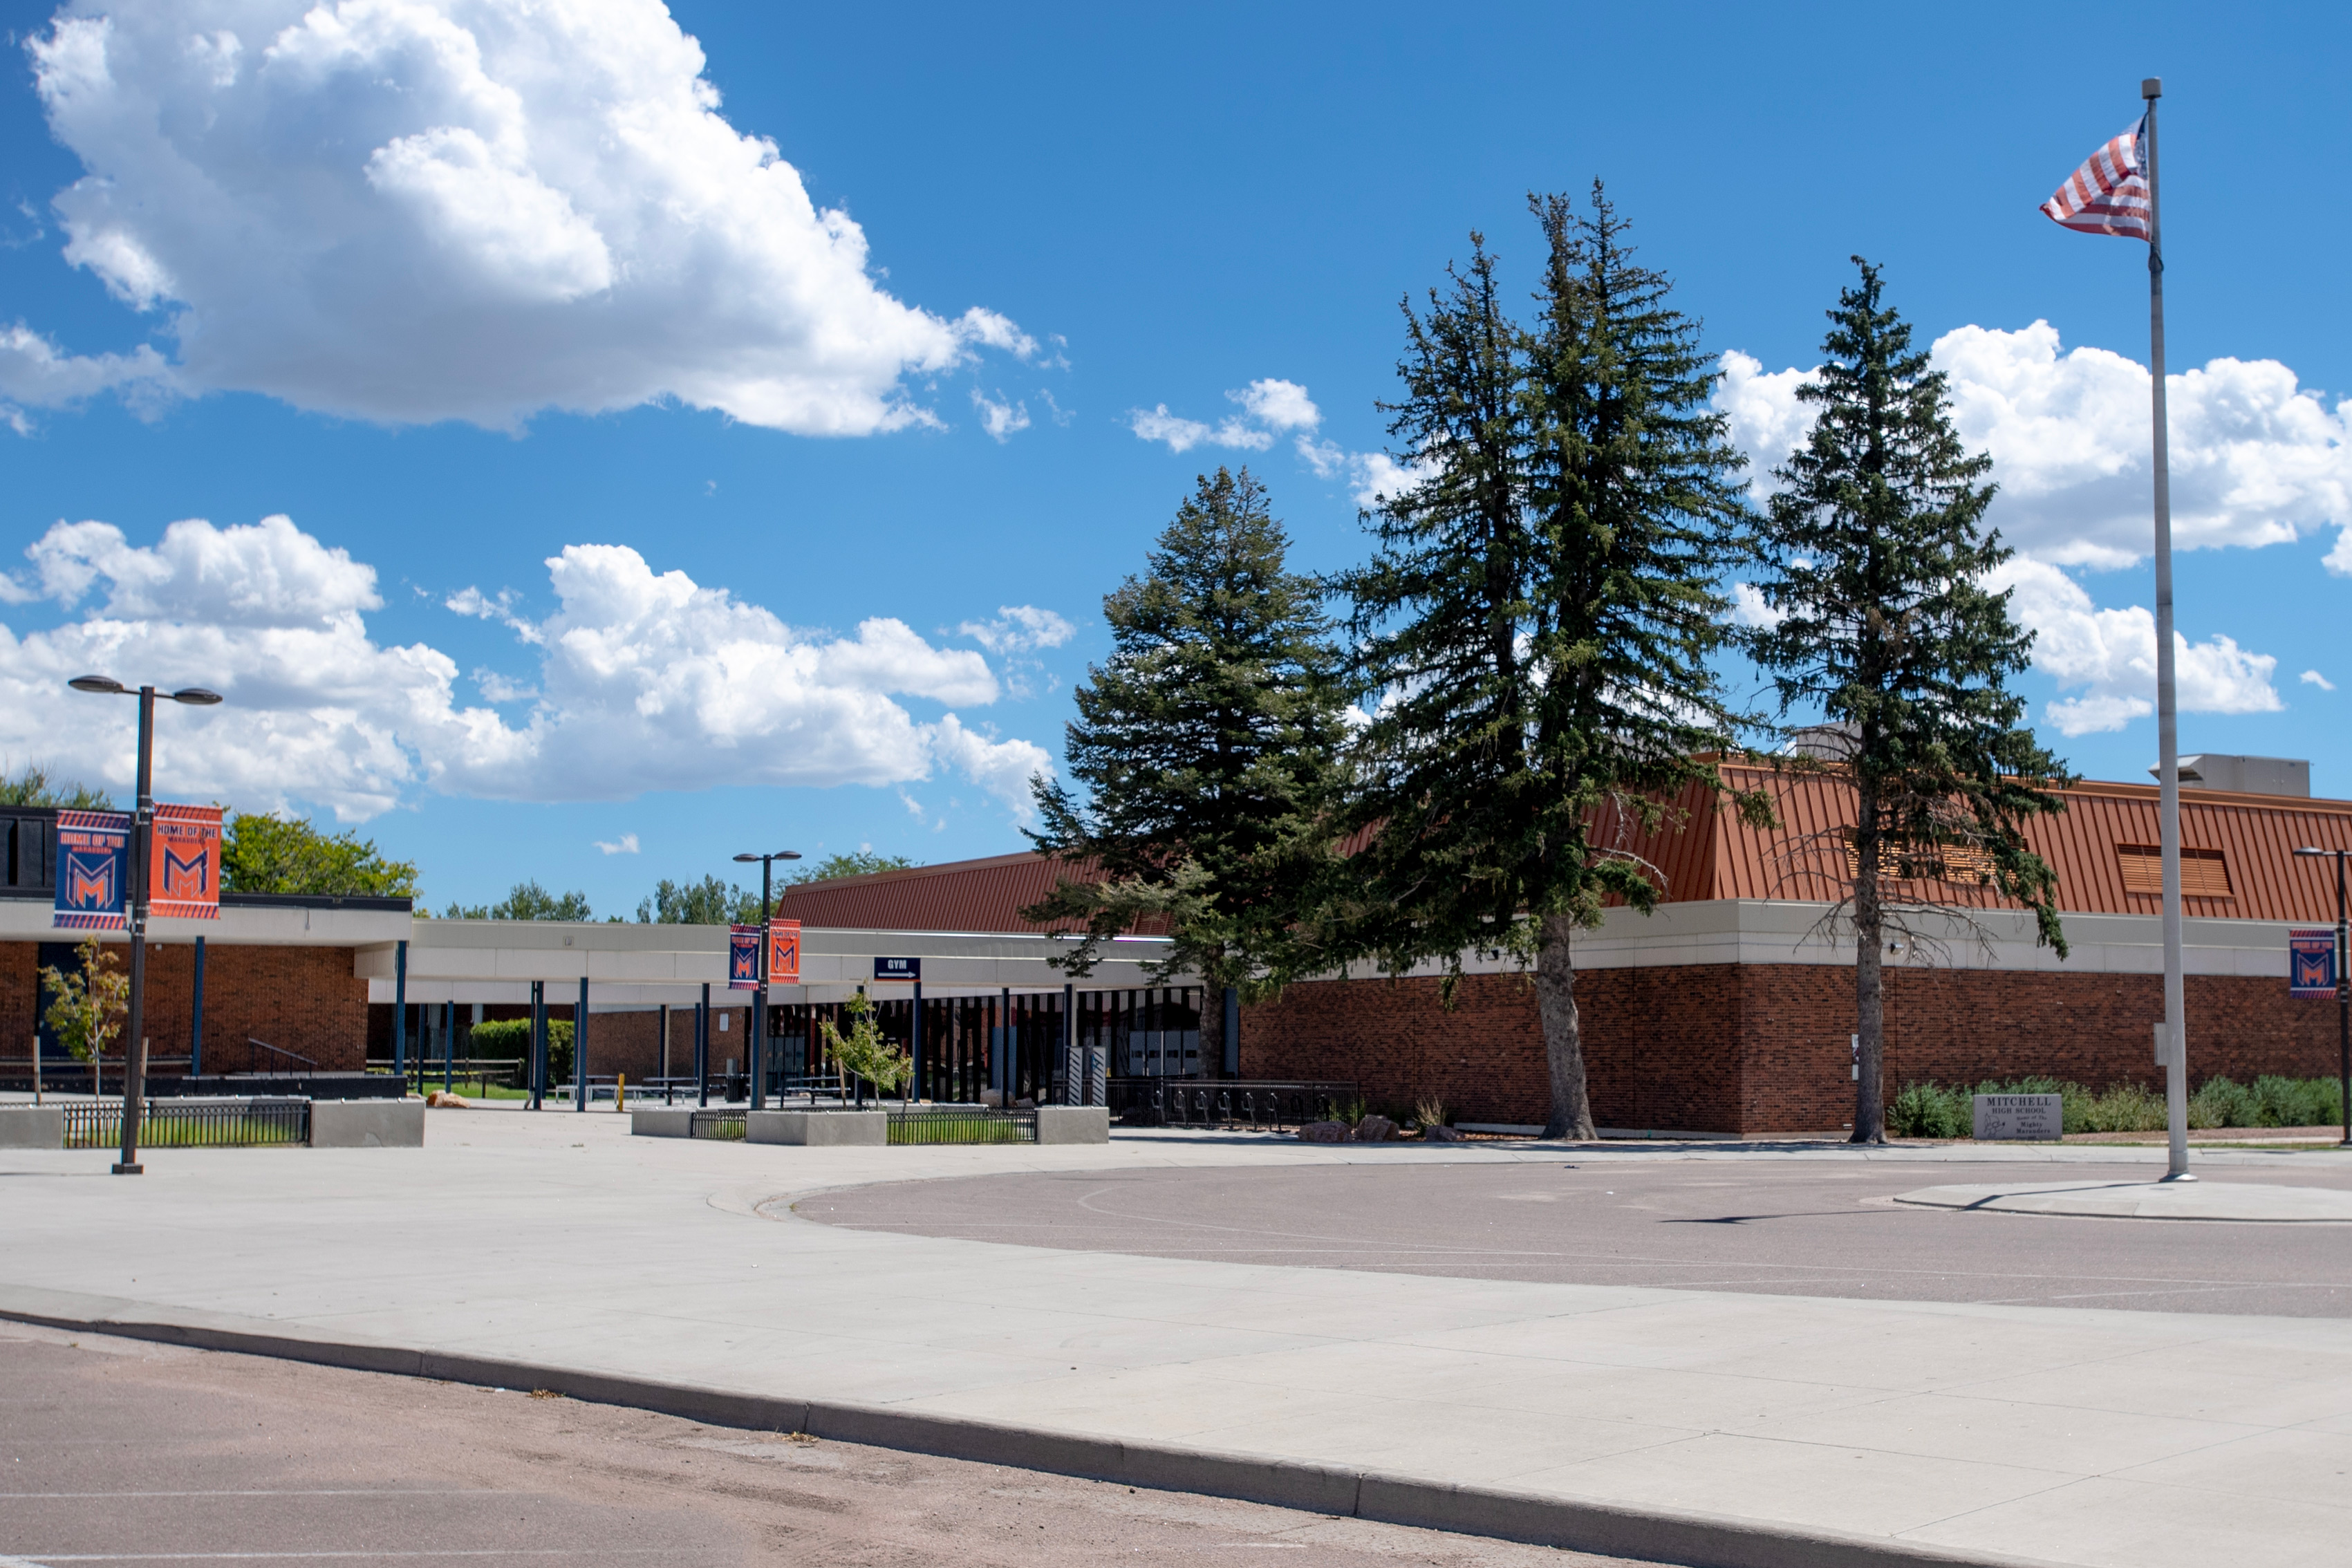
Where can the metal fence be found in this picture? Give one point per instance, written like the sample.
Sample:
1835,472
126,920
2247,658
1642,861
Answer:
962,1124
193,1124
715,1125
1225,1102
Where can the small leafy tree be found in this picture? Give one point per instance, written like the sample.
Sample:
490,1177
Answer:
32,785
709,902
1207,743
526,901
262,853
846,863
1876,557
90,1004
863,1054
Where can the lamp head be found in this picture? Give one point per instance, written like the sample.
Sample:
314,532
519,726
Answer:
196,696
787,855
2309,849
749,859
105,685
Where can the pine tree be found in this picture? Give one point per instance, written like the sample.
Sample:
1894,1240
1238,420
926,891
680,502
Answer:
1205,743
1877,555
1534,631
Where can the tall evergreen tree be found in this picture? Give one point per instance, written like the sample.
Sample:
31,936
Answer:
1877,555
1206,745
1534,631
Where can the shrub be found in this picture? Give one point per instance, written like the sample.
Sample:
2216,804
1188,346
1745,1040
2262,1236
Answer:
1926,1111
508,1040
1930,1111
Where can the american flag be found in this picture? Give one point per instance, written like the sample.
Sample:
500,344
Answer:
2108,195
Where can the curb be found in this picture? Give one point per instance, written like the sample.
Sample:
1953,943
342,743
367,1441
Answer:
1655,1535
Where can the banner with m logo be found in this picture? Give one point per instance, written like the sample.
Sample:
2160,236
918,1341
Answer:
183,865
93,871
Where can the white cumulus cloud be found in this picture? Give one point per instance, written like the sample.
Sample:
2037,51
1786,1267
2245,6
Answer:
2255,459
624,845
418,210
2312,677
645,682
36,374
2107,658
1019,628
1000,419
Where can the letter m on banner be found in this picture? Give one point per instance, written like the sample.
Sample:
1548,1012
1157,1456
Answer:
93,871
183,872
783,952
2311,963
743,958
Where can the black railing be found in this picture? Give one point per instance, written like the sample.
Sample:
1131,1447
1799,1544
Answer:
1223,1102
193,1124
278,1055
715,1125
962,1124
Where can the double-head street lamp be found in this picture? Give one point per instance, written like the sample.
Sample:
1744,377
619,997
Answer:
2343,990
760,1005
134,1048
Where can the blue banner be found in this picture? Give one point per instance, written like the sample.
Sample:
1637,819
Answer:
93,870
743,958
2311,963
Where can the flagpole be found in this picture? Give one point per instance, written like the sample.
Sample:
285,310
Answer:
2167,721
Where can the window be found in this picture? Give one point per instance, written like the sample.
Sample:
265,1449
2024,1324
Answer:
2204,873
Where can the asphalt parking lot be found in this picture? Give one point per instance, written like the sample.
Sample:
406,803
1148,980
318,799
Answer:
1811,1227
118,1451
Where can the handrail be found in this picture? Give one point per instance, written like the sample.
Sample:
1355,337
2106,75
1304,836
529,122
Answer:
279,1051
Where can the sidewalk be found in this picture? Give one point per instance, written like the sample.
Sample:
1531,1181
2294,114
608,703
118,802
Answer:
1883,1430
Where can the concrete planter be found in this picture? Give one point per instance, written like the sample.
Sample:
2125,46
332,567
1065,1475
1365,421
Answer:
818,1128
1073,1124
367,1124
662,1120
32,1127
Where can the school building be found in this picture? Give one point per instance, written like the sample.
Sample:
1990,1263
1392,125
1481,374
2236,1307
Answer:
1728,1010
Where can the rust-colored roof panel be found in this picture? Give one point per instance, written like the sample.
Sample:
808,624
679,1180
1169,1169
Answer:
1703,850
984,895
2256,833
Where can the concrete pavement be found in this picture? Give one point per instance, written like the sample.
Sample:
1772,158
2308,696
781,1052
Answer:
1732,1428
2246,1203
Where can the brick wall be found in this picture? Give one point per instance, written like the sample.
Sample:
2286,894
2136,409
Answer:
1763,1048
301,999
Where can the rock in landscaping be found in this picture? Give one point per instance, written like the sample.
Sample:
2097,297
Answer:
1375,1130
1323,1132
456,1101
1444,1135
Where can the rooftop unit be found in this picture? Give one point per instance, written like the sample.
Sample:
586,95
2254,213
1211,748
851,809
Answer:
2245,776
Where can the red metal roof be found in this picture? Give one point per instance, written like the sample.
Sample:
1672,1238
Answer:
961,896
1715,855
1710,854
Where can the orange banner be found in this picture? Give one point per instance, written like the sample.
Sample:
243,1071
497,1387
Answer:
183,862
783,952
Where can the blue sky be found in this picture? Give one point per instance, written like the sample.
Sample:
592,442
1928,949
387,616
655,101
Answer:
413,303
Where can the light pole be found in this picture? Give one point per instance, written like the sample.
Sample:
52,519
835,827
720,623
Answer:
134,1048
2343,992
760,1003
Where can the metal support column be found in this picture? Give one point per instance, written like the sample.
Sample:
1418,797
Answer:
196,1016
579,1049
538,1044
915,1035
1233,1032
702,1048
399,1015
